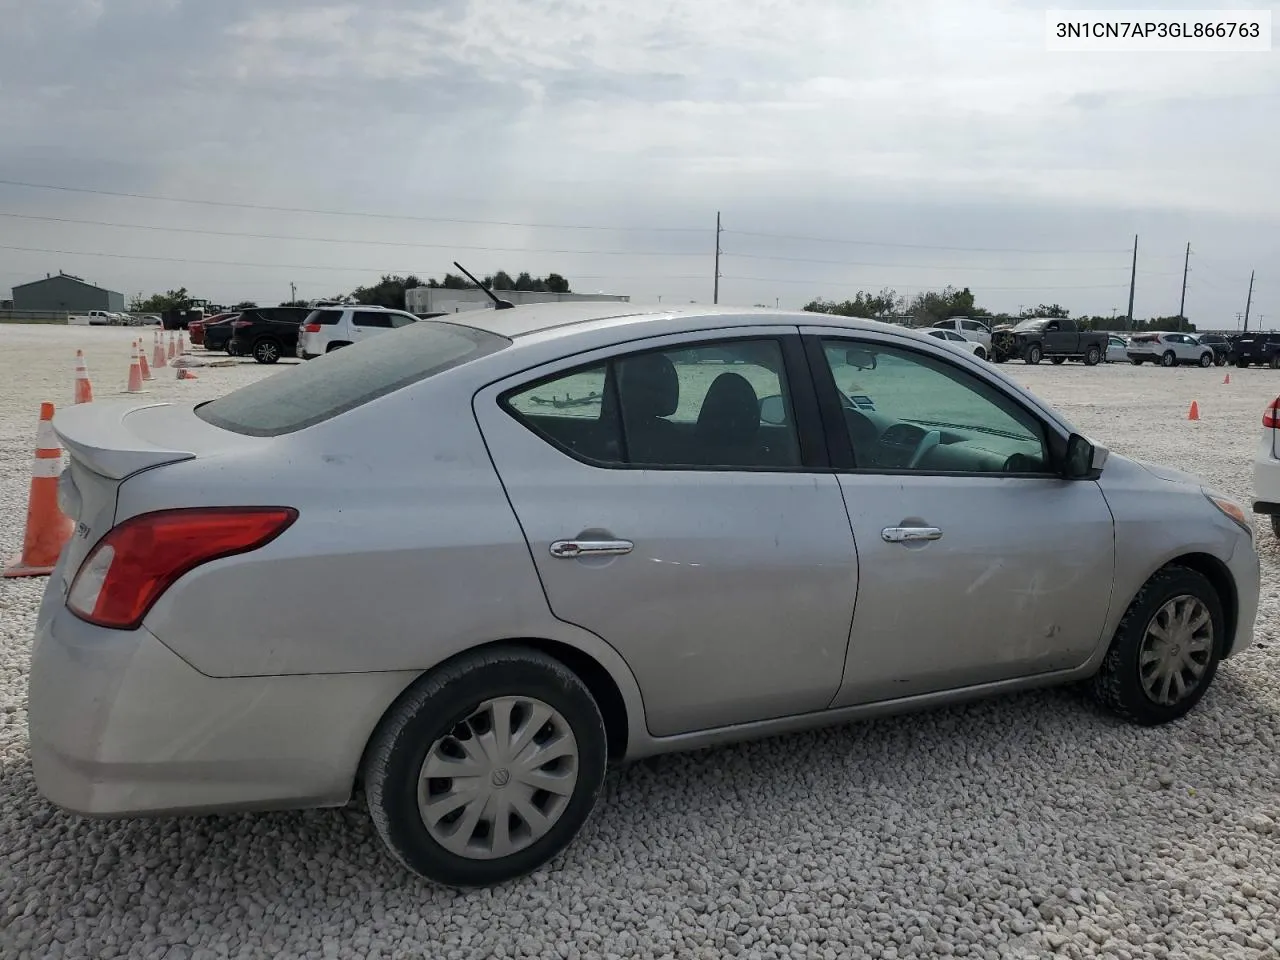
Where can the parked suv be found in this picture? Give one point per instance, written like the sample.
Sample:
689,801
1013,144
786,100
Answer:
333,327
1221,346
266,333
216,334
1169,349
1257,348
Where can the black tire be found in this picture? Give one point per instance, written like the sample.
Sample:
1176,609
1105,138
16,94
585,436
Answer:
1206,359
266,350
1033,354
1135,361
1220,360
1241,362
1168,359
1275,361
1091,356
1117,684
336,346
1057,361
998,357
980,354
437,704
1275,524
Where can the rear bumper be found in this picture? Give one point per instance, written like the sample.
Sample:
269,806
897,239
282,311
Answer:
120,725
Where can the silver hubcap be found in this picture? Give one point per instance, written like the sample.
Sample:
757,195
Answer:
500,779
1176,650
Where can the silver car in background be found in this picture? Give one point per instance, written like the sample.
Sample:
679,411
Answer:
532,541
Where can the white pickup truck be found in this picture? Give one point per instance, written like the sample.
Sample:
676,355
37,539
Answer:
94,318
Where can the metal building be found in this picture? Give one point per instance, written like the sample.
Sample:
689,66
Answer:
444,300
65,292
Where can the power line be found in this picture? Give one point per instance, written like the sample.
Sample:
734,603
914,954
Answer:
306,266
385,243
912,246
345,213
923,266
866,284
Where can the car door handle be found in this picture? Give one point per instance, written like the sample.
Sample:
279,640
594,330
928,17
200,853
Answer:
910,534
571,549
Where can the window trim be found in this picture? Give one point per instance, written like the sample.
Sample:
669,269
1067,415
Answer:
802,400
841,447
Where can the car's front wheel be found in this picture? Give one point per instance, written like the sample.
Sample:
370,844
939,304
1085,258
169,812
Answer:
486,769
266,351
1165,652
1168,359
1033,354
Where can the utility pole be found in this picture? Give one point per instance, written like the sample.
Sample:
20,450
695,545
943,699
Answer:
1182,304
715,297
293,292
1133,278
1248,303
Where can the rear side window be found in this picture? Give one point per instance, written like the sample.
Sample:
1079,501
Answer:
345,379
370,318
325,317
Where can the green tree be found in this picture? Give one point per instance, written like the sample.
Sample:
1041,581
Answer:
244,305
388,292
886,303
1046,310
159,302
556,283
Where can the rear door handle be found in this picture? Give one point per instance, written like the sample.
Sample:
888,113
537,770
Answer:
572,549
910,534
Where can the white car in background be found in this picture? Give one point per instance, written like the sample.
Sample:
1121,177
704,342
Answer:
955,340
329,328
1266,467
1168,349
974,330
1117,349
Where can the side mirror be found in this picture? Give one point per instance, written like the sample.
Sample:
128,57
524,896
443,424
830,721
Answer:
1084,460
773,411
862,359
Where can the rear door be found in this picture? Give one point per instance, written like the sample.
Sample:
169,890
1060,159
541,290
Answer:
676,503
368,323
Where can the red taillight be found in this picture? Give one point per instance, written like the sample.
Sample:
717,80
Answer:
1271,415
237,324
137,561
311,328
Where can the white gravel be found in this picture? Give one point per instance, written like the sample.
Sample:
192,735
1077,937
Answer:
1019,827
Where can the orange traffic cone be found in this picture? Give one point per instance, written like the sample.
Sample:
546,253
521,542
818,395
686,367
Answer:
182,344
172,350
1194,412
84,389
142,362
135,376
157,356
48,528
185,374
1227,378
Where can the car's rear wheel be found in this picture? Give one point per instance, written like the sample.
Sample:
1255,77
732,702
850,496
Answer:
266,351
487,769
1168,358
1275,524
980,353
1165,652
1220,360
1206,359
1275,361
1092,356
1135,361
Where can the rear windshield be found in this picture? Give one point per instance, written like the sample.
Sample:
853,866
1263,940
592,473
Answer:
343,380
326,317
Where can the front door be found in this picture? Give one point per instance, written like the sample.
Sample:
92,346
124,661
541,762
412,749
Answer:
978,563
674,514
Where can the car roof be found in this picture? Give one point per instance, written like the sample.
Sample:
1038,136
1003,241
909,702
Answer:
563,318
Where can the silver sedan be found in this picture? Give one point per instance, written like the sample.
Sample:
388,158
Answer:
468,563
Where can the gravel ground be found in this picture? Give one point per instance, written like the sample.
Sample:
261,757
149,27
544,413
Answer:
1024,826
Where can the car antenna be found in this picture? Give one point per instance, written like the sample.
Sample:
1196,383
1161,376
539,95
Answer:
498,302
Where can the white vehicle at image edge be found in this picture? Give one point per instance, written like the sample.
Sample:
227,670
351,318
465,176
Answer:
329,328
1117,349
1266,467
955,340
1168,350
541,539
974,330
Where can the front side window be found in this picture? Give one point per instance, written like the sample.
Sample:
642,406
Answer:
907,411
722,404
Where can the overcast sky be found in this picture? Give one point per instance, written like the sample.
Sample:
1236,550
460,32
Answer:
940,140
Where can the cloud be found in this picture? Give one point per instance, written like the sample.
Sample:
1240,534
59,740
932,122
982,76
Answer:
807,117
